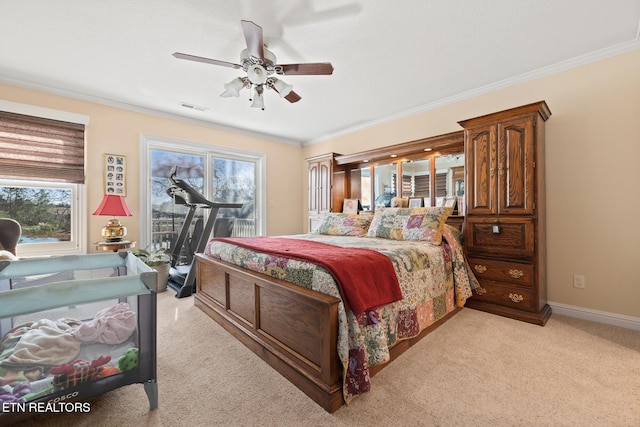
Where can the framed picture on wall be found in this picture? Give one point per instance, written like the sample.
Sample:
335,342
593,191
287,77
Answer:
115,170
415,202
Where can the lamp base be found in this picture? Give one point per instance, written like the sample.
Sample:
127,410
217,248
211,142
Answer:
113,231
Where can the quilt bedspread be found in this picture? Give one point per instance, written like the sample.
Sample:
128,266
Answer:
433,280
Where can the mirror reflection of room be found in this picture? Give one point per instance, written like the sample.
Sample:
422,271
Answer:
365,188
416,181
360,187
385,177
449,178
413,179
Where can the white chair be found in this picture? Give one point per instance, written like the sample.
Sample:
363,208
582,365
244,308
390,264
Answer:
10,232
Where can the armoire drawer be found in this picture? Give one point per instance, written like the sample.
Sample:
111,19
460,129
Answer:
502,271
505,236
506,295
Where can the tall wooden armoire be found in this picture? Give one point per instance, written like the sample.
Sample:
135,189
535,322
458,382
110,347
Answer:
504,227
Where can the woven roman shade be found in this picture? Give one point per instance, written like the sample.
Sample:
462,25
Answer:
406,186
41,149
441,184
422,186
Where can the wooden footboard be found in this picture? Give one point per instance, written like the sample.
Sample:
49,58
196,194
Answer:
293,329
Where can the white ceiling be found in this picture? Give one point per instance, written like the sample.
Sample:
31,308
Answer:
391,58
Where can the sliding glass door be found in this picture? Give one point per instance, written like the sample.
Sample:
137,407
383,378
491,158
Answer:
219,175
234,181
167,216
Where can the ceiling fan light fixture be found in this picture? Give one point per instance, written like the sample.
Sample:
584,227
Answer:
233,88
281,87
259,64
257,74
258,100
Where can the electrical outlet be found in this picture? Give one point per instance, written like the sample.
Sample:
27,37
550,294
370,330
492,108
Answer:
578,281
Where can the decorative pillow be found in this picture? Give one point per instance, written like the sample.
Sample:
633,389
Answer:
341,224
410,224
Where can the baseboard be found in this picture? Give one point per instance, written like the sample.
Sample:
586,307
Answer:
596,316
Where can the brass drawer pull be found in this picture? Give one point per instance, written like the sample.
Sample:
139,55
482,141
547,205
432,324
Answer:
515,297
481,291
516,274
480,268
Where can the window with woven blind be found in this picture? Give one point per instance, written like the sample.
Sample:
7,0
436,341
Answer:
422,186
441,184
407,186
41,149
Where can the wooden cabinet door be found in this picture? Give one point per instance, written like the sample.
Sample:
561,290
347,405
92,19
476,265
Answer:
480,158
324,185
515,164
313,187
320,186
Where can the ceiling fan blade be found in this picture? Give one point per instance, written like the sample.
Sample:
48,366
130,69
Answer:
205,60
292,97
253,36
316,68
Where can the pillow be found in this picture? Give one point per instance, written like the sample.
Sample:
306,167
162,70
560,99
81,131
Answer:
342,224
410,224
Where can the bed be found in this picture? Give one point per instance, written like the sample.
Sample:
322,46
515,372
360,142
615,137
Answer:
74,327
293,313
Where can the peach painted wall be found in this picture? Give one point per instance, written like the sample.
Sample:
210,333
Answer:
592,155
591,167
117,131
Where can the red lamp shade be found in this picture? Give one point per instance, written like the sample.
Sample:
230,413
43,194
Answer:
113,205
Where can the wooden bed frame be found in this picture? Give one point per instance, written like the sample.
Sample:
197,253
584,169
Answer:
293,329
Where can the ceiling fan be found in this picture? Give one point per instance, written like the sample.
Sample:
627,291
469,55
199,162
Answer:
260,65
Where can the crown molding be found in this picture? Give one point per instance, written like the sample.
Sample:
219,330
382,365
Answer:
144,110
576,62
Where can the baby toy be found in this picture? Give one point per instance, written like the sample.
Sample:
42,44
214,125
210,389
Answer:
128,360
77,372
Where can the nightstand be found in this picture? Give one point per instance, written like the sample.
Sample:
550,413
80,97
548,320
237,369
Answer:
115,246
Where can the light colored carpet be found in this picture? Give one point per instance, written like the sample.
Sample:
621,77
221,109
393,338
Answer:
477,369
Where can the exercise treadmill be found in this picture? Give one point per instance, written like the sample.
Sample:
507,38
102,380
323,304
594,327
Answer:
182,277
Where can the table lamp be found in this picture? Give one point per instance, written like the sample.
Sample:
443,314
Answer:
114,206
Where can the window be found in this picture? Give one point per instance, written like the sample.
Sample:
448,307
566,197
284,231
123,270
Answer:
47,212
42,177
221,175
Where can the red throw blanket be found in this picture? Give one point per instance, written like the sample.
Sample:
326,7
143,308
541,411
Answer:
366,278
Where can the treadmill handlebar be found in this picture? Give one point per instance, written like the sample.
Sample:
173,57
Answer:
184,194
